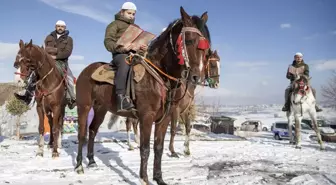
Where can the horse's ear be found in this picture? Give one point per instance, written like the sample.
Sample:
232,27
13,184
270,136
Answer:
204,17
30,44
21,43
186,19
215,53
42,47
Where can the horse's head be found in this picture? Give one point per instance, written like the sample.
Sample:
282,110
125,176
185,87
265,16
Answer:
301,88
212,70
28,59
193,43
186,41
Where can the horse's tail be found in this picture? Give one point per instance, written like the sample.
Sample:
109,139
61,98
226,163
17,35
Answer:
113,120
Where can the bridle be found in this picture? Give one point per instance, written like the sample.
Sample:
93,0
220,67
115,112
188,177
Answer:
32,69
208,75
180,47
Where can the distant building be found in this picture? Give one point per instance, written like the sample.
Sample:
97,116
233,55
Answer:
222,125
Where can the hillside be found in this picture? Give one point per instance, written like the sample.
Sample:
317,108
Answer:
7,90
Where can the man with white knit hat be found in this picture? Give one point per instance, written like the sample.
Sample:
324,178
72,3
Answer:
122,20
59,45
302,68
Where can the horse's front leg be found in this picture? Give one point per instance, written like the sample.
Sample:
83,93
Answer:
298,131
146,122
160,132
187,124
56,130
313,116
290,125
41,130
174,118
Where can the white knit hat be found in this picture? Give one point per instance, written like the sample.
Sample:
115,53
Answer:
298,54
60,23
128,6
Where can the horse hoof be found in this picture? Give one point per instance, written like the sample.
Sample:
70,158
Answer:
322,148
174,154
144,182
298,147
187,153
159,181
131,148
92,165
55,155
79,169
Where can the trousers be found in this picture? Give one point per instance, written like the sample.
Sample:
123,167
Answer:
120,78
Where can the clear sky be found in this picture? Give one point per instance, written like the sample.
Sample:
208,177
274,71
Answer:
255,39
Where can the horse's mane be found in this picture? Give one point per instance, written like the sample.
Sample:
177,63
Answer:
163,38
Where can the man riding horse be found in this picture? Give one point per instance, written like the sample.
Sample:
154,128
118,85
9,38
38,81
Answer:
123,19
302,68
59,45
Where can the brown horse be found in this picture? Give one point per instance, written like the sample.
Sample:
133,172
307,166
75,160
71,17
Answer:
49,92
152,92
212,74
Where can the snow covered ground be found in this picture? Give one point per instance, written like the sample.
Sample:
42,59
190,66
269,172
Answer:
215,160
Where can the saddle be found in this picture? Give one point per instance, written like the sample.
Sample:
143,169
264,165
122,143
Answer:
106,74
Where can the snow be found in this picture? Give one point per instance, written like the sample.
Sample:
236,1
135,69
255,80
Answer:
258,160
241,159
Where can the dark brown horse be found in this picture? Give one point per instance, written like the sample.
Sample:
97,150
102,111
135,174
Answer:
151,93
212,74
49,93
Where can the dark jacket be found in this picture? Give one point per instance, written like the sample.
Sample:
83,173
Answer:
114,31
61,47
291,77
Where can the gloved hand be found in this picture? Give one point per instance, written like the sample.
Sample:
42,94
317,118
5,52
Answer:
122,49
142,50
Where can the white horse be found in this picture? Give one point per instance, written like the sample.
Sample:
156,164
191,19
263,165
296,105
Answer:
302,101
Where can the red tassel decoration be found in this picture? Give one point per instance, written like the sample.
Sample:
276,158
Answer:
203,44
179,50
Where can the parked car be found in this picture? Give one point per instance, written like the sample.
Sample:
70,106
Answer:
322,125
280,130
251,125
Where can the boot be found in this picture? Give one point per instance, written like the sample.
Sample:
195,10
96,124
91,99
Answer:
123,103
286,107
318,109
28,95
71,90
71,103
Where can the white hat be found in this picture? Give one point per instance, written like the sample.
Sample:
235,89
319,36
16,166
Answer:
128,6
60,23
298,54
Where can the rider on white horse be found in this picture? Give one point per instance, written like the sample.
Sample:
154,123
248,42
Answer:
300,68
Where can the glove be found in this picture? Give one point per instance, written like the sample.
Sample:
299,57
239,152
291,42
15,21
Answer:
121,49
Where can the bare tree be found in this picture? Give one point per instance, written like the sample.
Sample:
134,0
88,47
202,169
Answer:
329,90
